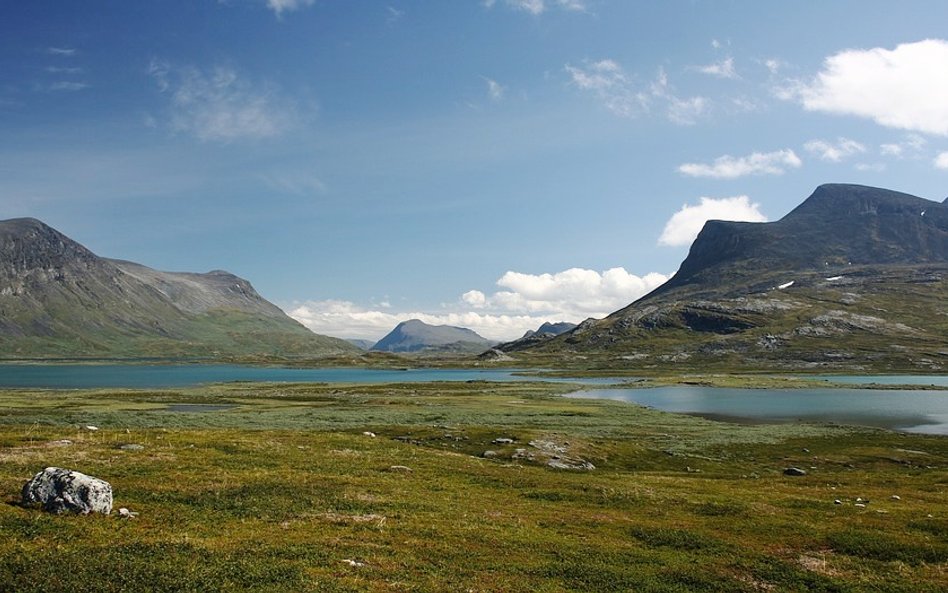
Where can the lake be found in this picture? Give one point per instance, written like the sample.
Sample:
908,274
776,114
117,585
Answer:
142,376
905,410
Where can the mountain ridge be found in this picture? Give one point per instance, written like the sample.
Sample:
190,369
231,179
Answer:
854,277
416,336
58,298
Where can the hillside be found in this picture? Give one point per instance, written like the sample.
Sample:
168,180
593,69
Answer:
418,337
533,338
853,278
58,299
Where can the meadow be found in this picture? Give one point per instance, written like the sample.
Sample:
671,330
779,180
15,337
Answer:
452,487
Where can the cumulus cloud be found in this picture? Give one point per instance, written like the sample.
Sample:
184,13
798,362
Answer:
834,152
722,69
220,106
619,93
281,6
941,161
757,163
684,225
904,88
524,301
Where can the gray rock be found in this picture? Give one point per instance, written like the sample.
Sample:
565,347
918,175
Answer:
132,447
794,471
60,490
503,441
488,454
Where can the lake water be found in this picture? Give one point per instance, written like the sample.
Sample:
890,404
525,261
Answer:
905,410
140,376
937,380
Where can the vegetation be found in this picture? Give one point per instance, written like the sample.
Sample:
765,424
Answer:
280,490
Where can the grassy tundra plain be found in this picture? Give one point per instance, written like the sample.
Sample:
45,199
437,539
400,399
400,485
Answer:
285,491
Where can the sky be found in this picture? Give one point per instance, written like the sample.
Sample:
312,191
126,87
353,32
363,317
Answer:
491,164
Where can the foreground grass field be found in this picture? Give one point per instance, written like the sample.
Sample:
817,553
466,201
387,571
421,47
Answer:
283,491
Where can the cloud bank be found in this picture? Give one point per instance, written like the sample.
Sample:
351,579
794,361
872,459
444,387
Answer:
684,225
903,88
729,167
524,302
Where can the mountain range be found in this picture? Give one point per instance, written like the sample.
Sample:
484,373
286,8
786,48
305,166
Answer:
855,277
58,299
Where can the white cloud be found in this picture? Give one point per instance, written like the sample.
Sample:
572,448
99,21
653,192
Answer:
524,302
912,145
684,225
773,65
729,167
870,167
904,88
722,69
61,51
834,152
941,161
495,90
281,6
686,112
67,86
219,106
620,95
537,7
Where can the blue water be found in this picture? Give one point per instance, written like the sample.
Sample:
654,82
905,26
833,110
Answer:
64,376
905,410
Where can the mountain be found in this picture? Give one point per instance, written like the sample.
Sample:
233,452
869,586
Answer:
58,299
418,336
854,278
361,344
532,338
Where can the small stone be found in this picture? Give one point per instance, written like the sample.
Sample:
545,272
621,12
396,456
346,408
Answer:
503,441
91,428
488,454
132,447
805,450
60,443
895,497
860,505
368,434
794,471
126,514
400,468
60,490
353,563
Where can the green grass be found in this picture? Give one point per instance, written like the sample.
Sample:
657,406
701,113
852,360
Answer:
282,491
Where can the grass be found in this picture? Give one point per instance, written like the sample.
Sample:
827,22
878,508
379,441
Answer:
284,492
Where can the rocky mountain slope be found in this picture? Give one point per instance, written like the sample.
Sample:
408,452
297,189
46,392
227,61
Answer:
58,299
854,278
533,338
419,337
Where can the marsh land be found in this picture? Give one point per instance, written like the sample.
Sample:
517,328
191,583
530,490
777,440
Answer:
461,486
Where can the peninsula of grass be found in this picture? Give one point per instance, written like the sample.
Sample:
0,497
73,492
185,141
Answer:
249,487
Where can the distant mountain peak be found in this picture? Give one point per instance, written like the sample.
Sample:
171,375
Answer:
415,335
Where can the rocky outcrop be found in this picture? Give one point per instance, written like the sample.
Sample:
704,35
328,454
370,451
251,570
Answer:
60,490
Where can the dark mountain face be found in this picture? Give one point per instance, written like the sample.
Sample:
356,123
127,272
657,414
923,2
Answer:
855,277
416,336
838,225
57,298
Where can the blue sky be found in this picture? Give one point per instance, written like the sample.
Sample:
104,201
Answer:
486,164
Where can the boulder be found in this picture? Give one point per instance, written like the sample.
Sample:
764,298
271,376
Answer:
794,471
60,490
